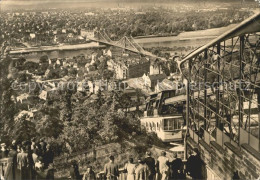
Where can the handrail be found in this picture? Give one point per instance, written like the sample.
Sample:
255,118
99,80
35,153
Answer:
122,174
5,164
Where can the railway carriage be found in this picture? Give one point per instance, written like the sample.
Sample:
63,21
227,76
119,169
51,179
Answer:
165,120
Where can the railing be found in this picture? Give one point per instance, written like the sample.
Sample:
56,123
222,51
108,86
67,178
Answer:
122,175
5,168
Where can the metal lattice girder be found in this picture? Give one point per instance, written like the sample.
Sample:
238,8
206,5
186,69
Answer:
234,58
102,38
137,46
126,44
106,37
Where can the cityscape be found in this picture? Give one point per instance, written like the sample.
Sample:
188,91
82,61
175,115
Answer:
129,90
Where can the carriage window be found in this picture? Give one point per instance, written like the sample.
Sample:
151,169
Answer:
177,124
168,124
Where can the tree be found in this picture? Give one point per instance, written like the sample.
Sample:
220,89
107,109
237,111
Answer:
30,66
7,106
44,59
48,123
23,129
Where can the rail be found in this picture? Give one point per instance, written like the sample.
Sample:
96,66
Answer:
5,168
123,174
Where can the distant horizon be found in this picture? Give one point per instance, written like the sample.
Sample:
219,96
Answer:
7,5
122,0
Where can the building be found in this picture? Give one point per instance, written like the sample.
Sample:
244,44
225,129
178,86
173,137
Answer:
128,67
86,33
153,80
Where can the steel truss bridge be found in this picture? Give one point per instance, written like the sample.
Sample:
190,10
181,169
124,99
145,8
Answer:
126,43
223,88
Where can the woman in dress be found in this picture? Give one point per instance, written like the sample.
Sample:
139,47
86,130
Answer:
130,169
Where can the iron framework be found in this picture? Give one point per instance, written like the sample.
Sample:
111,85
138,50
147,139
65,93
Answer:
223,80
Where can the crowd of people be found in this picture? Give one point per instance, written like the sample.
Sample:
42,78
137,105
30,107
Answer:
34,160
146,169
29,160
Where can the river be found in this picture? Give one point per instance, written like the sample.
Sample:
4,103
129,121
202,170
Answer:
191,39
184,39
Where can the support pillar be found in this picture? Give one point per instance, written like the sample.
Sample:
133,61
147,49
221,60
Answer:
240,99
187,109
205,87
218,123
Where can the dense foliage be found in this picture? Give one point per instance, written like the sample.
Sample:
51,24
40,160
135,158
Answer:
71,120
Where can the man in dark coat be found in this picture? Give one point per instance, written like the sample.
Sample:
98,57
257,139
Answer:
176,168
50,172
111,169
194,165
150,162
48,156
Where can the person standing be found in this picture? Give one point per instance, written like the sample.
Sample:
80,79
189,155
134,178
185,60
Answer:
23,164
39,150
39,169
111,169
89,174
30,159
150,162
50,172
163,166
48,156
18,148
176,168
74,171
33,144
141,170
35,156
194,165
130,169
14,144
13,154
4,151
43,145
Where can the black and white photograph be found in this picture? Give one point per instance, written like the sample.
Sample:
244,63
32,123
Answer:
129,89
